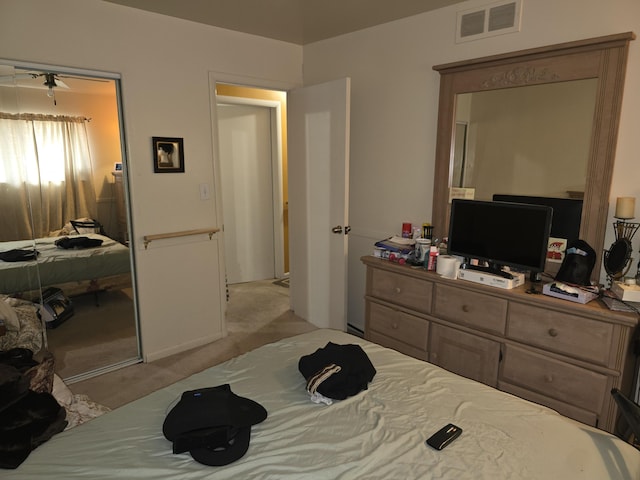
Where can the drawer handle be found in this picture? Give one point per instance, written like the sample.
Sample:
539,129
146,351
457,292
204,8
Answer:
548,378
465,308
394,326
553,332
398,290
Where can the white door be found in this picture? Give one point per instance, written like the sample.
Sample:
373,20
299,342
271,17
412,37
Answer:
318,123
247,191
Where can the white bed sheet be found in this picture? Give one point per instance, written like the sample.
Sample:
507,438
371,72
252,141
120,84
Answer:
378,434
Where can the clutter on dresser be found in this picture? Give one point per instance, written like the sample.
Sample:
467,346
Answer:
575,294
623,293
623,296
416,247
573,280
423,247
433,258
448,266
617,260
627,291
397,244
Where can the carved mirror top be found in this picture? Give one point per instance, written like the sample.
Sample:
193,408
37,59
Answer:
520,76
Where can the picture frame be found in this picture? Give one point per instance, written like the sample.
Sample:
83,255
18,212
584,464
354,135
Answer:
168,155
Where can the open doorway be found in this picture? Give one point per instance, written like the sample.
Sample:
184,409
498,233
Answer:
317,219
253,168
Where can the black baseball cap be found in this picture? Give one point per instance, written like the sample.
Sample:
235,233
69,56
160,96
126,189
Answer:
212,424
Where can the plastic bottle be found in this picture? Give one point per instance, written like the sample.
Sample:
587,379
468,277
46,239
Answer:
433,258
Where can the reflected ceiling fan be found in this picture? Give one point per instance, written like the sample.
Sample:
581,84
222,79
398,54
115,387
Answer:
48,80
50,83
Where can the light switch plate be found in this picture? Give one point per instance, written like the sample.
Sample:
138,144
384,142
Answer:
204,191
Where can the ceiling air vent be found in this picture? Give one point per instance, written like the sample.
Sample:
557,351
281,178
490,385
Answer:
488,21
472,23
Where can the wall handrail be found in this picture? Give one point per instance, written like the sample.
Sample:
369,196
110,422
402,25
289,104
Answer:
159,236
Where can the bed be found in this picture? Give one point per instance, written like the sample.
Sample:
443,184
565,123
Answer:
74,270
378,434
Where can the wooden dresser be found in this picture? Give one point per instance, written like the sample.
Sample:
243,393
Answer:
561,354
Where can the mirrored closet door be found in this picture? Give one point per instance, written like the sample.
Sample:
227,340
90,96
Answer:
64,231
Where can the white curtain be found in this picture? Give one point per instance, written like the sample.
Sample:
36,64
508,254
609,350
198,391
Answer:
45,174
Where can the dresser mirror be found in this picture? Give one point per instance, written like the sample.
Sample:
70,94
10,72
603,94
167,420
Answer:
496,152
581,80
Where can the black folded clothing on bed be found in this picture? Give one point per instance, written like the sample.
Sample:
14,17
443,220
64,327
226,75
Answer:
212,424
337,371
78,242
19,255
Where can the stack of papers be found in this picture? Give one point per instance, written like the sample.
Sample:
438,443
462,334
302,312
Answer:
397,244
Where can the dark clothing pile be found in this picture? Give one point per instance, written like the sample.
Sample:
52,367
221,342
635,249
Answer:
27,418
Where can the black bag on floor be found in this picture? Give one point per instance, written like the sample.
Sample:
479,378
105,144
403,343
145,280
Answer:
56,308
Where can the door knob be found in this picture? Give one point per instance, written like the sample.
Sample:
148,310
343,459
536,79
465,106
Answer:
338,229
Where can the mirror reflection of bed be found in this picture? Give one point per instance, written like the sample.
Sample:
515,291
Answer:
64,162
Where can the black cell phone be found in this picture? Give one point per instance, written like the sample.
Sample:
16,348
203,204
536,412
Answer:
444,436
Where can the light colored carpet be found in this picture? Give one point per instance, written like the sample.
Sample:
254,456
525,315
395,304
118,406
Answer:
95,336
257,313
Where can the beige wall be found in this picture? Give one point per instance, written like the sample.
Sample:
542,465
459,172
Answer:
395,105
165,65
393,119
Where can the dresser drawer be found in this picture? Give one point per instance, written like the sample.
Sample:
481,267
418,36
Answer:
563,408
394,344
398,325
403,290
577,337
465,354
553,378
471,309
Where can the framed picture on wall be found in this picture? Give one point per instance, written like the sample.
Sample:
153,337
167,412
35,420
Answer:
168,155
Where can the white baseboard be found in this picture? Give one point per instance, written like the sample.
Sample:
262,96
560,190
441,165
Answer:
183,347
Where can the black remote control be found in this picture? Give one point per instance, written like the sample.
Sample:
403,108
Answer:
444,436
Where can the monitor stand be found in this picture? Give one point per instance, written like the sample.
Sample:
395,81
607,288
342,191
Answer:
535,279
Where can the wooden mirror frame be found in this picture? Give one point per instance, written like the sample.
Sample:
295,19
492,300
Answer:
602,58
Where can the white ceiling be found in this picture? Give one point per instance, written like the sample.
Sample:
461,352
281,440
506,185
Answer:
11,76
293,21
